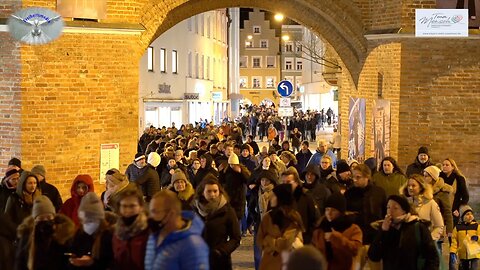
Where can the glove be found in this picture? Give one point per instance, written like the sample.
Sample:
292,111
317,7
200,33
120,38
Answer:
453,258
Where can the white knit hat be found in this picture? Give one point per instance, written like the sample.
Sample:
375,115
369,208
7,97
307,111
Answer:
154,159
433,171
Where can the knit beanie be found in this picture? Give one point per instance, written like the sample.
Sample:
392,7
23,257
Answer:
270,175
423,150
91,206
15,162
402,201
139,156
342,166
233,159
11,172
154,159
42,205
284,194
337,201
371,163
306,258
39,169
463,209
116,178
178,175
433,171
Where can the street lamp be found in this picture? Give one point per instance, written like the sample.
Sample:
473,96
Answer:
278,17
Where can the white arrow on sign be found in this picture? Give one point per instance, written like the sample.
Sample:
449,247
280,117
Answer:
284,87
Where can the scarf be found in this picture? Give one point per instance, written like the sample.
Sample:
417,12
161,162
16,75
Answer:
264,195
210,207
325,173
125,232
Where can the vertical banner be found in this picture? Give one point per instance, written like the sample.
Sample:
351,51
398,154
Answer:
356,124
109,158
381,129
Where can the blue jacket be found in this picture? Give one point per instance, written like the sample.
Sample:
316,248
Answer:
315,159
180,250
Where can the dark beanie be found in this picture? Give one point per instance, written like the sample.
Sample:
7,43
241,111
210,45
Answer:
15,162
423,150
139,156
402,201
284,194
342,166
337,201
245,146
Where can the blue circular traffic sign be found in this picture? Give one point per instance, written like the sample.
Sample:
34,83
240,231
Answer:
285,88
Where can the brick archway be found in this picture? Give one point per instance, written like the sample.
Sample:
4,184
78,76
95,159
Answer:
338,22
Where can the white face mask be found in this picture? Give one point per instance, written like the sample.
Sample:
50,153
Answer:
91,227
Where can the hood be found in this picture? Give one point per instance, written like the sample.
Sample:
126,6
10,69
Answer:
441,186
312,168
195,228
87,179
209,160
187,193
64,228
21,182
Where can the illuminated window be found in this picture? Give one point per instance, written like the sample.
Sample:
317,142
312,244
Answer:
163,60
174,62
150,59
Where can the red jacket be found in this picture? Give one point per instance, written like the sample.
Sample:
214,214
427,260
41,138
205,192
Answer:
70,207
129,252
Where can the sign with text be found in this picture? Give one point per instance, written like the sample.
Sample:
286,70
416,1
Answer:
285,102
217,96
194,96
109,159
441,23
285,111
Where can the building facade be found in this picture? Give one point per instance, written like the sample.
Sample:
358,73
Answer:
184,73
259,59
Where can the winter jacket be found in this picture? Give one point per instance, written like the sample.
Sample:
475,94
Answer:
52,193
248,162
272,240
305,206
463,232
222,234
184,249
234,184
70,207
318,191
129,243
427,209
48,249
302,160
17,207
345,241
460,190
368,205
417,168
315,159
85,244
441,195
328,177
5,192
7,238
391,183
166,177
133,172
399,248
186,196
202,172
149,181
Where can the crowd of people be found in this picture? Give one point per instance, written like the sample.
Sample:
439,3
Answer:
191,194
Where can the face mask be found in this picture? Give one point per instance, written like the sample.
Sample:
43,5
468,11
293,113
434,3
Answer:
91,227
44,228
157,226
129,220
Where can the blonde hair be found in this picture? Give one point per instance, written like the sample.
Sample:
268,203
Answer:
455,167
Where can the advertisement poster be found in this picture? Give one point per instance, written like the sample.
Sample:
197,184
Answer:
356,124
109,158
441,23
473,7
381,129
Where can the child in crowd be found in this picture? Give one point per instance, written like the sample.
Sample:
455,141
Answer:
465,240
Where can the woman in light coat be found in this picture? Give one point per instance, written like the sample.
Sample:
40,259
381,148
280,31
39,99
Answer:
420,196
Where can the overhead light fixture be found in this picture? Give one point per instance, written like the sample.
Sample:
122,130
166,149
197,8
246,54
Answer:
278,17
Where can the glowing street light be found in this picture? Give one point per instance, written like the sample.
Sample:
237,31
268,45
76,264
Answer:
278,17
249,37
285,38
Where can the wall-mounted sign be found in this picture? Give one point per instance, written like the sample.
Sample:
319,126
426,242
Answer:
441,22
109,159
84,9
164,88
285,111
217,96
191,96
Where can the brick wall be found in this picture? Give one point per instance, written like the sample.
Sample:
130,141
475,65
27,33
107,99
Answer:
380,14
440,102
9,91
408,12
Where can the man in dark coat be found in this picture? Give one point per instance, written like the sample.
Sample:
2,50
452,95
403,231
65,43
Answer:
47,189
149,181
136,168
8,186
246,158
367,201
303,156
234,179
205,169
313,187
421,162
304,204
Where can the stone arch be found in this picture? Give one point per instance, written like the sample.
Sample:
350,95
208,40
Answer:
339,22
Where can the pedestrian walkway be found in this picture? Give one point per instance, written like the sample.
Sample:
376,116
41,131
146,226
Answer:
242,257
326,134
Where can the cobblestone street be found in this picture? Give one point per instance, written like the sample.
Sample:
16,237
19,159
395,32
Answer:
243,257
